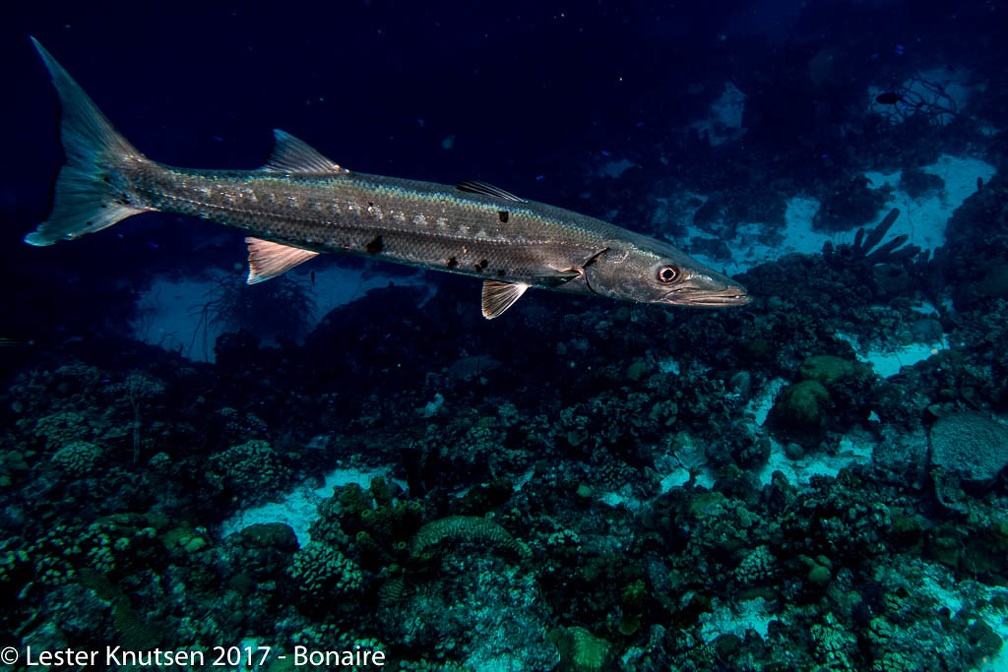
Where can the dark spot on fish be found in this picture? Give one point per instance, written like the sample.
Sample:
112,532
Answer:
501,272
503,216
375,246
888,98
106,180
102,206
481,265
89,223
452,262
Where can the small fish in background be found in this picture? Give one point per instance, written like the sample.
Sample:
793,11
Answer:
889,98
301,204
7,342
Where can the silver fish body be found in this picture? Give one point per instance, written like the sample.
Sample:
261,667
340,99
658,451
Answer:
301,204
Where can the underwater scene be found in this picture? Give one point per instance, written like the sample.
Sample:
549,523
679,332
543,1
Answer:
537,336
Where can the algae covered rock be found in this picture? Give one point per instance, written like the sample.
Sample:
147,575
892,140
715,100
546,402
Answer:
797,415
831,396
270,535
971,444
828,369
580,650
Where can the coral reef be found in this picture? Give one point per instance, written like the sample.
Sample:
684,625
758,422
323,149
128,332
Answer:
814,481
550,515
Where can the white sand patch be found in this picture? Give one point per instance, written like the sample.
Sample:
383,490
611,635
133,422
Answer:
680,476
761,403
888,361
170,314
923,220
736,618
998,620
299,508
853,449
957,595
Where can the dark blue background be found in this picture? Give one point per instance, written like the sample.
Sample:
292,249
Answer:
530,91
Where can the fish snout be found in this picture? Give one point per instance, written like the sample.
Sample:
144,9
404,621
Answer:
709,292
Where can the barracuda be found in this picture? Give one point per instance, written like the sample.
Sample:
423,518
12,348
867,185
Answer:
301,204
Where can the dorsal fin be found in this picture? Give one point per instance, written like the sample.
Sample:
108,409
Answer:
268,259
296,157
476,187
499,296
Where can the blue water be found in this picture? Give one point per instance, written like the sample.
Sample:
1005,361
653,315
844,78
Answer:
350,468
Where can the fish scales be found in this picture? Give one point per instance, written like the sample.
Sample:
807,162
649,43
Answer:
420,223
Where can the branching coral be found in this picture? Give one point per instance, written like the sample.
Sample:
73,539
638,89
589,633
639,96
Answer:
921,97
281,309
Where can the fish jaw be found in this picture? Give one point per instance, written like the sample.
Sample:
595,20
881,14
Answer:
707,290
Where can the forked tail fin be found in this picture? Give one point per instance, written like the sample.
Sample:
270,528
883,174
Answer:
84,199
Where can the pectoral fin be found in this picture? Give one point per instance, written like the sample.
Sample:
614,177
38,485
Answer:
499,296
267,259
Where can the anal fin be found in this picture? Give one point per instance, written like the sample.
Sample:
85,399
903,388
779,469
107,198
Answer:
499,296
268,259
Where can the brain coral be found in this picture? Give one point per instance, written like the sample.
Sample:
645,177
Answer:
971,444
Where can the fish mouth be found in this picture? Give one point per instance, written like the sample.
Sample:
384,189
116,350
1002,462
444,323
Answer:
723,297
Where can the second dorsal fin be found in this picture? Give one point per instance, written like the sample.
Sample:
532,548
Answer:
477,187
296,157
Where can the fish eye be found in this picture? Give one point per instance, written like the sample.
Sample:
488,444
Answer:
668,274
